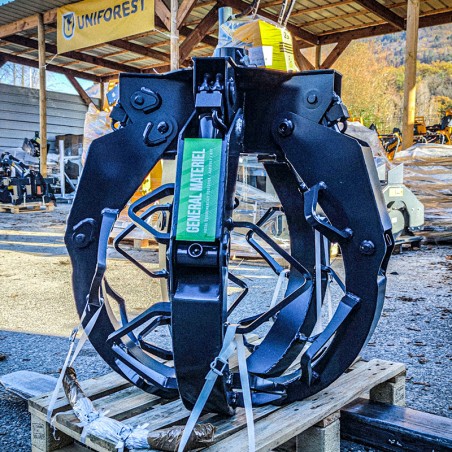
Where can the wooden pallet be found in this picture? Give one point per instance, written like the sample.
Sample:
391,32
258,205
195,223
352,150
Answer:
27,207
310,425
137,239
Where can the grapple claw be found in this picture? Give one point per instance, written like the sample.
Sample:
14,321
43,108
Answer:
327,186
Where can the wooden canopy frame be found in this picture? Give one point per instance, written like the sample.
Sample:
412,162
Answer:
188,28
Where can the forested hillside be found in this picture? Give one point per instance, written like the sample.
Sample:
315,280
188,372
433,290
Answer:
373,77
435,44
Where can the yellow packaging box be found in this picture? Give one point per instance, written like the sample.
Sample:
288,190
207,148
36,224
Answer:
269,46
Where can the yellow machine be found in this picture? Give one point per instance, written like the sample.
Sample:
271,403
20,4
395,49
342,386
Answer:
443,131
391,142
356,119
420,127
438,133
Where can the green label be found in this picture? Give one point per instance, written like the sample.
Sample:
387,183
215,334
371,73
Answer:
200,181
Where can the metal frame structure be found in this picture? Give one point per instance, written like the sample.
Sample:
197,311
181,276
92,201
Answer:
295,124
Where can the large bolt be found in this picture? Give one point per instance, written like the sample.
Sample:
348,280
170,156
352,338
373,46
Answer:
79,239
367,247
312,99
162,127
285,128
138,99
195,250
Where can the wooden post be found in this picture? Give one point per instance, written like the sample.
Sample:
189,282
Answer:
174,36
103,101
318,56
409,96
42,94
169,166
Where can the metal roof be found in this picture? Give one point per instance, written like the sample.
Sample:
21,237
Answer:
311,22
20,9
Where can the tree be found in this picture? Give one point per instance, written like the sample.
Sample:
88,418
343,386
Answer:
369,85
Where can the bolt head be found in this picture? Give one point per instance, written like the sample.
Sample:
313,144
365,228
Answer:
138,99
195,250
79,238
367,247
162,127
285,128
312,99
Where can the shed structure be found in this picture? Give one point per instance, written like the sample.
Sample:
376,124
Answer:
188,28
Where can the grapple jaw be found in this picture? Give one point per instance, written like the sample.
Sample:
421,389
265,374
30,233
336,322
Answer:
327,186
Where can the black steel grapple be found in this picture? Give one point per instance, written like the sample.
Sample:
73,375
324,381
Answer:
326,181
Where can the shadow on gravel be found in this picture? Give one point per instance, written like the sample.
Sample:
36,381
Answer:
43,245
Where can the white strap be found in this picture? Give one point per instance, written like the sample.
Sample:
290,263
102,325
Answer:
246,391
60,380
328,301
318,283
226,351
70,358
279,282
85,334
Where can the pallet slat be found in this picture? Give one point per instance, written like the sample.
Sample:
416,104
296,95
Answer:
291,420
274,425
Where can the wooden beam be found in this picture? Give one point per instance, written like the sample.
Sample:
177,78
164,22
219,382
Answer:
381,11
157,69
96,61
372,424
306,64
174,39
51,48
335,54
409,92
197,34
81,92
186,31
50,67
345,16
42,96
296,32
302,62
108,77
430,20
376,30
27,23
318,56
163,13
140,50
314,9
184,11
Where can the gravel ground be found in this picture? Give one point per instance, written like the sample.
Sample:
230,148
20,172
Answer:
36,318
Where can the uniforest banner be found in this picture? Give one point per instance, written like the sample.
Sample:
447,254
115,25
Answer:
92,22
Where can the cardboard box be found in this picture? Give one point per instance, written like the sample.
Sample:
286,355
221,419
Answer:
269,46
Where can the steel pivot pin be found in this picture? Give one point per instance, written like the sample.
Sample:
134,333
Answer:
285,128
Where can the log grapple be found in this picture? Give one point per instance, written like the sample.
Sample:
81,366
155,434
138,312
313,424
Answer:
326,182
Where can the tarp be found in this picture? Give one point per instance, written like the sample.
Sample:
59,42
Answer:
27,384
428,173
